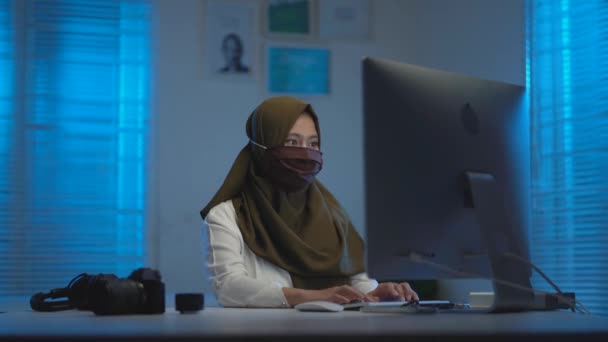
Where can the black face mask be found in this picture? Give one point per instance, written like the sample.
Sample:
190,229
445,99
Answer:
292,168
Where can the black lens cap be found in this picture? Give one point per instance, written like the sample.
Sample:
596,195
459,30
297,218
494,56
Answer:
189,302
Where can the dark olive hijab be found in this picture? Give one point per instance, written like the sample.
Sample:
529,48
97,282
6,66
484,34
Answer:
306,233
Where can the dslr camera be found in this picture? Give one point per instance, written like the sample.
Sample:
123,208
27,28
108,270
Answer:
143,292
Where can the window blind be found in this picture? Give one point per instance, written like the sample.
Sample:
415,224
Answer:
7,138
77,157
568,79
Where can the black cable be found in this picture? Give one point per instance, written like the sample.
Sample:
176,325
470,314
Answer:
515,256
572,303
421,259
76,278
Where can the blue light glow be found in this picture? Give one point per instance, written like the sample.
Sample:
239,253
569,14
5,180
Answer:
567,73
83,137
6,121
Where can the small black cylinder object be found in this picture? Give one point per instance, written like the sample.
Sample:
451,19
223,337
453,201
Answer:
189,302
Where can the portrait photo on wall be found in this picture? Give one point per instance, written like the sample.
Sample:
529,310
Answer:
231,49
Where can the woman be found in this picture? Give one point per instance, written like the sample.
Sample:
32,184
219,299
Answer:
277,236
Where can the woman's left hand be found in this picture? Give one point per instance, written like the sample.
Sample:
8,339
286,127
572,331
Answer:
393,291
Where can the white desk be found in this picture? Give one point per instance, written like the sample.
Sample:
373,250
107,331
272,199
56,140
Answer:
19,322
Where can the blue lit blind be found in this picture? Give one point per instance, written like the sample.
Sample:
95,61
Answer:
78,166
568,78
7,138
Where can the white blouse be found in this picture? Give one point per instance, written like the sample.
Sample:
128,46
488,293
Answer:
239,277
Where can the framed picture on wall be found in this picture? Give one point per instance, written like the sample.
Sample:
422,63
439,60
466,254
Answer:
289,18
297,70
231,39
344,19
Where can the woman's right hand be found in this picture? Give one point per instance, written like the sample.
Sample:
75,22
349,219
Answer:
337,294
344,294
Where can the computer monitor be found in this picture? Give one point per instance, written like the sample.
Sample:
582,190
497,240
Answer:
446,165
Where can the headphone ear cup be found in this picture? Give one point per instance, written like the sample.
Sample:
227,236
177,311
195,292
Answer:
80,291
38,303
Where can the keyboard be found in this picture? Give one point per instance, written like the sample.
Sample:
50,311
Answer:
397,306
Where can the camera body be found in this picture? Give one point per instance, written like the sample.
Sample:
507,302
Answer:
143,292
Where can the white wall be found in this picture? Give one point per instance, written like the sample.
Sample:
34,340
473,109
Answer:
201,122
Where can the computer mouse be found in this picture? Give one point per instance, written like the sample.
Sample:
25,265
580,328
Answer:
320,306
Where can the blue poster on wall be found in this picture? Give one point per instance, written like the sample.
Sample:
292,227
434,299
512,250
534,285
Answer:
298,70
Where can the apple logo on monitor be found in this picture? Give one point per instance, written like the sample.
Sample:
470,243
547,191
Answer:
469,119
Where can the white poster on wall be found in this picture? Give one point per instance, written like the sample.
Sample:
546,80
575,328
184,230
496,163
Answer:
344,19
231,49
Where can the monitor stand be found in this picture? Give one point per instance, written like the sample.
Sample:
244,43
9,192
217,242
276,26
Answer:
510,277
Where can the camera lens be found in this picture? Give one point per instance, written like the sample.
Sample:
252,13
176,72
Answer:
117,296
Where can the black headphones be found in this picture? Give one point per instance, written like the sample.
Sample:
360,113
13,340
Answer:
75,294
38,301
